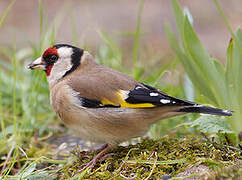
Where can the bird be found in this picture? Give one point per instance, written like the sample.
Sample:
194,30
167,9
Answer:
101,104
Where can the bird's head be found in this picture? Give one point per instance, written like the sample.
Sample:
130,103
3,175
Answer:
58,61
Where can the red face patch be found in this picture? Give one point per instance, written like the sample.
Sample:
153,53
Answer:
48,69
50,51
47,58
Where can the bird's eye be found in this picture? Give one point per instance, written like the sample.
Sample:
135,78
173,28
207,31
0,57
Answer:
53,57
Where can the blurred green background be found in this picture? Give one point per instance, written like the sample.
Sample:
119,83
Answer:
118,18
129,36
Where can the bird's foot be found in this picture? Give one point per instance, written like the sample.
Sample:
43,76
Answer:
99,156
90,164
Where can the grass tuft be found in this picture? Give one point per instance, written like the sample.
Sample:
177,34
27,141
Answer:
154,159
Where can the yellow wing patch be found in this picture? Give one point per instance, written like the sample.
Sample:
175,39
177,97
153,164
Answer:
141,105
122,103
106,102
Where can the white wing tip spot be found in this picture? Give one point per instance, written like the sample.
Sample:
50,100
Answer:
138,87
226,111
197,105
154,94
165,101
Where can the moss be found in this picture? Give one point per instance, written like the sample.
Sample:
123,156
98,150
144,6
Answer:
230,172
153,159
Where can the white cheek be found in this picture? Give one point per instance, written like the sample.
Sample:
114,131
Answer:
59,69
62,65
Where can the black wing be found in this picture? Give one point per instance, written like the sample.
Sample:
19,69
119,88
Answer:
148,94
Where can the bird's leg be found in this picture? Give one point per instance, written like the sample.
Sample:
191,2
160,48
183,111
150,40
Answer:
104,150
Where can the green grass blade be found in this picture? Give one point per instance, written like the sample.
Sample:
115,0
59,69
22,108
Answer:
220,68
195,49
224,18
190,67
2,115
239,38
229,63
137,39
41,17
157,162
239,65
179,17
73,28
112,46
6,12
14,99
204,63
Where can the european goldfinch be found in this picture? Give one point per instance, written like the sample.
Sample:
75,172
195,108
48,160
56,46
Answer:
104,105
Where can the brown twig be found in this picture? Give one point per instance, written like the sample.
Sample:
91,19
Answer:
153,167
7,159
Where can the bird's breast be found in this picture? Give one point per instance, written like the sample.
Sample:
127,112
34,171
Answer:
67,105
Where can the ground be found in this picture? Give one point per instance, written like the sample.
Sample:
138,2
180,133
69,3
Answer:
190,157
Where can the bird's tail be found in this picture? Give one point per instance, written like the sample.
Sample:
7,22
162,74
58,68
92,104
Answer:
205,110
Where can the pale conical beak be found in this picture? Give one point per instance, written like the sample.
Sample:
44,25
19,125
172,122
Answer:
37,64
